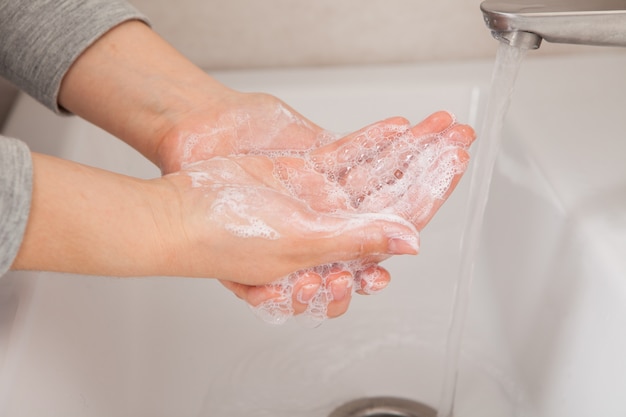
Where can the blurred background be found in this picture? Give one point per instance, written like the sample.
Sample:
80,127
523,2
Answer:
234,34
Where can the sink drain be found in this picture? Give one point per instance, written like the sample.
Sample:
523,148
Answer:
383,407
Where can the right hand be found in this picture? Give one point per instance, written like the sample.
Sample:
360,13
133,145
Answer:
430,156
232,220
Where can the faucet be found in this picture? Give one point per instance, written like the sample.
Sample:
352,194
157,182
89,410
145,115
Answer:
586,22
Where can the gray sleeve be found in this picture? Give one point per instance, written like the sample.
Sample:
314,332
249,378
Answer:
16,176
40,39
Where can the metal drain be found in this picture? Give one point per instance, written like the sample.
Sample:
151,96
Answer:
383,407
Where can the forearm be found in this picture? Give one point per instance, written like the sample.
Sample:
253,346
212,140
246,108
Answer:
85,220
135,85
40,39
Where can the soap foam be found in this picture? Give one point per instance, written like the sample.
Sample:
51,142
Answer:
279,309
231,206
384,172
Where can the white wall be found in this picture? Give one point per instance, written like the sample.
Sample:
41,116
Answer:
260,33
220,34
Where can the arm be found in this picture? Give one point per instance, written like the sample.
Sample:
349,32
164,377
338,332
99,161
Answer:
133,84
136,86
89,221
40,39
99,59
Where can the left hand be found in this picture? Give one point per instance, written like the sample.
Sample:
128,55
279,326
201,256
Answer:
262,124
136,86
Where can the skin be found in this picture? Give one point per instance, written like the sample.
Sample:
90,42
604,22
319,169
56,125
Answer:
133,84
90,221
456,138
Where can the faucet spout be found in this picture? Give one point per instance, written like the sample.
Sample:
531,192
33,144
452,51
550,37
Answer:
585,22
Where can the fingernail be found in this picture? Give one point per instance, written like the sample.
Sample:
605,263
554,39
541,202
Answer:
376,286
373,281
461,135
340,287
307,292
403,245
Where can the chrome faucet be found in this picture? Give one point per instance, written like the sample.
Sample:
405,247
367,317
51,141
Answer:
525,23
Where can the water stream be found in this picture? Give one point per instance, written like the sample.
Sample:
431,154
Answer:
508,61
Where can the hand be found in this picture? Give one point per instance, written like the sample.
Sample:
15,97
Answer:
237,124
240,224
218,219
259,123
389,167
146,93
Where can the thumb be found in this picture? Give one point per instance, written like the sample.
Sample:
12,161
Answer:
365,235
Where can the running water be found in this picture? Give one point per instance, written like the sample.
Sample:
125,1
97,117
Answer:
508,61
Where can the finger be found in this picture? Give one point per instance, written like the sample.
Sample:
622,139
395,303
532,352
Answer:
276,295
254,295
435,123
240,290
428,172
340,285
309,185
460,135
305,290
421,202
266,303
360,236
357,147
374,181
371,187
372,280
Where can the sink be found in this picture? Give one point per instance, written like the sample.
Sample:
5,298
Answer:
545,331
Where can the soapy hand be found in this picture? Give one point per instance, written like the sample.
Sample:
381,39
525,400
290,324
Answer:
236,123
388,167
150,96
242,225
240,123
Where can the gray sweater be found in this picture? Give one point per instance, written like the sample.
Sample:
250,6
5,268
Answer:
39,41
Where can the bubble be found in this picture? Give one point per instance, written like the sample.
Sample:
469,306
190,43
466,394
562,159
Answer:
231,208
384,170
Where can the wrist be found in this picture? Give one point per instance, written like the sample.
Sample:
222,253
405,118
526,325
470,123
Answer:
133,84
197,128
89,221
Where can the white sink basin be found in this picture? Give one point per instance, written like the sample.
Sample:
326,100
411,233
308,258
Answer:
546,333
